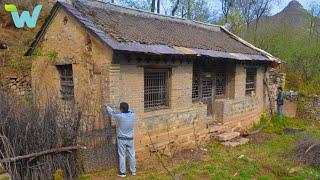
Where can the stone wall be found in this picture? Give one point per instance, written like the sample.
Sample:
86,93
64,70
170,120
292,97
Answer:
19,85
309,107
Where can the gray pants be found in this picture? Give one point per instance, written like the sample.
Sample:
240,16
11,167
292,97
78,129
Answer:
123,146
280,111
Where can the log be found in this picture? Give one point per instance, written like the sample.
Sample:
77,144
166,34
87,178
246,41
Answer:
37,154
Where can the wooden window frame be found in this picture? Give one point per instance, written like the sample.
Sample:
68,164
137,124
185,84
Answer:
199,77
66,82
147,105
252,81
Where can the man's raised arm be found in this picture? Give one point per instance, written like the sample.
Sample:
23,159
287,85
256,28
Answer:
111,111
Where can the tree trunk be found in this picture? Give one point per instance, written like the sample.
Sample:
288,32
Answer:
153,5
175,8
158,7
188,9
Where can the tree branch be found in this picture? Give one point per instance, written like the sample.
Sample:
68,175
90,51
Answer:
37,154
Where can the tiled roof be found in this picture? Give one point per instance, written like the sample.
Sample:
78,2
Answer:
126,29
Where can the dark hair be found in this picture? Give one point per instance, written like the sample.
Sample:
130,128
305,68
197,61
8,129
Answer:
124,107
280,88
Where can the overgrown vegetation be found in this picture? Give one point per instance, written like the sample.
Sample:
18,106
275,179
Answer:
300,53
271,154
26,129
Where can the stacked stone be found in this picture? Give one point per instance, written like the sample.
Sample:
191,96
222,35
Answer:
20,86
275,80
309,107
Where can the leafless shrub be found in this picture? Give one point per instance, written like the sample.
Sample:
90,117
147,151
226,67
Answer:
308,151
26,129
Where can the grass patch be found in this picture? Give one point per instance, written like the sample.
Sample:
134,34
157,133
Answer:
272,159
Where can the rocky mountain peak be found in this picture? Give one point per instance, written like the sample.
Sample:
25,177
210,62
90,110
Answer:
294,5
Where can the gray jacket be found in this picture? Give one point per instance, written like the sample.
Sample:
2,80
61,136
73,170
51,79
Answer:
125,121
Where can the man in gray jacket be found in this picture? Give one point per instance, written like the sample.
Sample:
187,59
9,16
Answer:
125,120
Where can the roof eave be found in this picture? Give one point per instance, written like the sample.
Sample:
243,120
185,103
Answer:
135,47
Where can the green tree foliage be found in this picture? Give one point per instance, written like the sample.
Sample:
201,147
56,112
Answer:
299,52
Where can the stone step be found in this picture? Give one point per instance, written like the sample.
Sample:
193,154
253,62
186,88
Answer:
228,136
217,129
236,142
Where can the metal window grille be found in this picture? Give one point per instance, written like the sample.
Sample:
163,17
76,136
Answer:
250,80
195,85
156,88
221,82
206,87
66,81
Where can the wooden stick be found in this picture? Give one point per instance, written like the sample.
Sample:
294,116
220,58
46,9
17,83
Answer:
37,154
312,146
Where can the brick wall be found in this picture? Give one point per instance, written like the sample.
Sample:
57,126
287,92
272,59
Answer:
97,81
185,121
128,86
239,111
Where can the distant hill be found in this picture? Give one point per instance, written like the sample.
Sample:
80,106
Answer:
294,15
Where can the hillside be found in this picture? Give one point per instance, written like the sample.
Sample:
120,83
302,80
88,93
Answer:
293,15
290,36
14,67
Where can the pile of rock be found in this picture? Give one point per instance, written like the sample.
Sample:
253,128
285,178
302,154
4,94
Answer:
228,138
20,86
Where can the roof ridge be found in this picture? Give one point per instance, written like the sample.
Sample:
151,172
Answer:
179,19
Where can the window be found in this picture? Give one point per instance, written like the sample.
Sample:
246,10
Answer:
202,83
221,82
251,74
195,83
206,86
156,88
66,81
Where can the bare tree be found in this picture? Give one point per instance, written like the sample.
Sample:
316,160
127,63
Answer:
158,6
226,6
315,21
246,9
261,8
175,7
153,5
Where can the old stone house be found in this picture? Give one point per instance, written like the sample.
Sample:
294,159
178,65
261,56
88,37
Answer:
180,77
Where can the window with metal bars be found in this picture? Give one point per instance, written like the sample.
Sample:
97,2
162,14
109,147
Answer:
156,88
251,74
66,81
202,85
220,82
206,87
195,84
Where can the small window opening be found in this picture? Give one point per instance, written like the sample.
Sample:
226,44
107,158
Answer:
66,81
251,74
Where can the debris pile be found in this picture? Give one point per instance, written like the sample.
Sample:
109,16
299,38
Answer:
308,151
